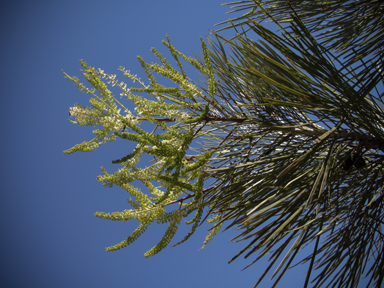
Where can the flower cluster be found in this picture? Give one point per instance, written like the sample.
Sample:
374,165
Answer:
186,106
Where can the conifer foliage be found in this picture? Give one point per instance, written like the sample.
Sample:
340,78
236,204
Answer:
287,128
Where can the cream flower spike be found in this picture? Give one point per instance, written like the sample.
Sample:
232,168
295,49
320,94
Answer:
77,112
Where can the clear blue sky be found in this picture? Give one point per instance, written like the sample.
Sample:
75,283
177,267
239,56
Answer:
50,237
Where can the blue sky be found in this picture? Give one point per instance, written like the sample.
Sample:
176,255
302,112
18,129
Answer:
50,236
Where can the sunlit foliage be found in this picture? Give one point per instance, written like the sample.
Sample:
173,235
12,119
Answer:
287,129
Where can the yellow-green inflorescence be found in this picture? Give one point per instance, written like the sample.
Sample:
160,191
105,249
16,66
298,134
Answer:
175,113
